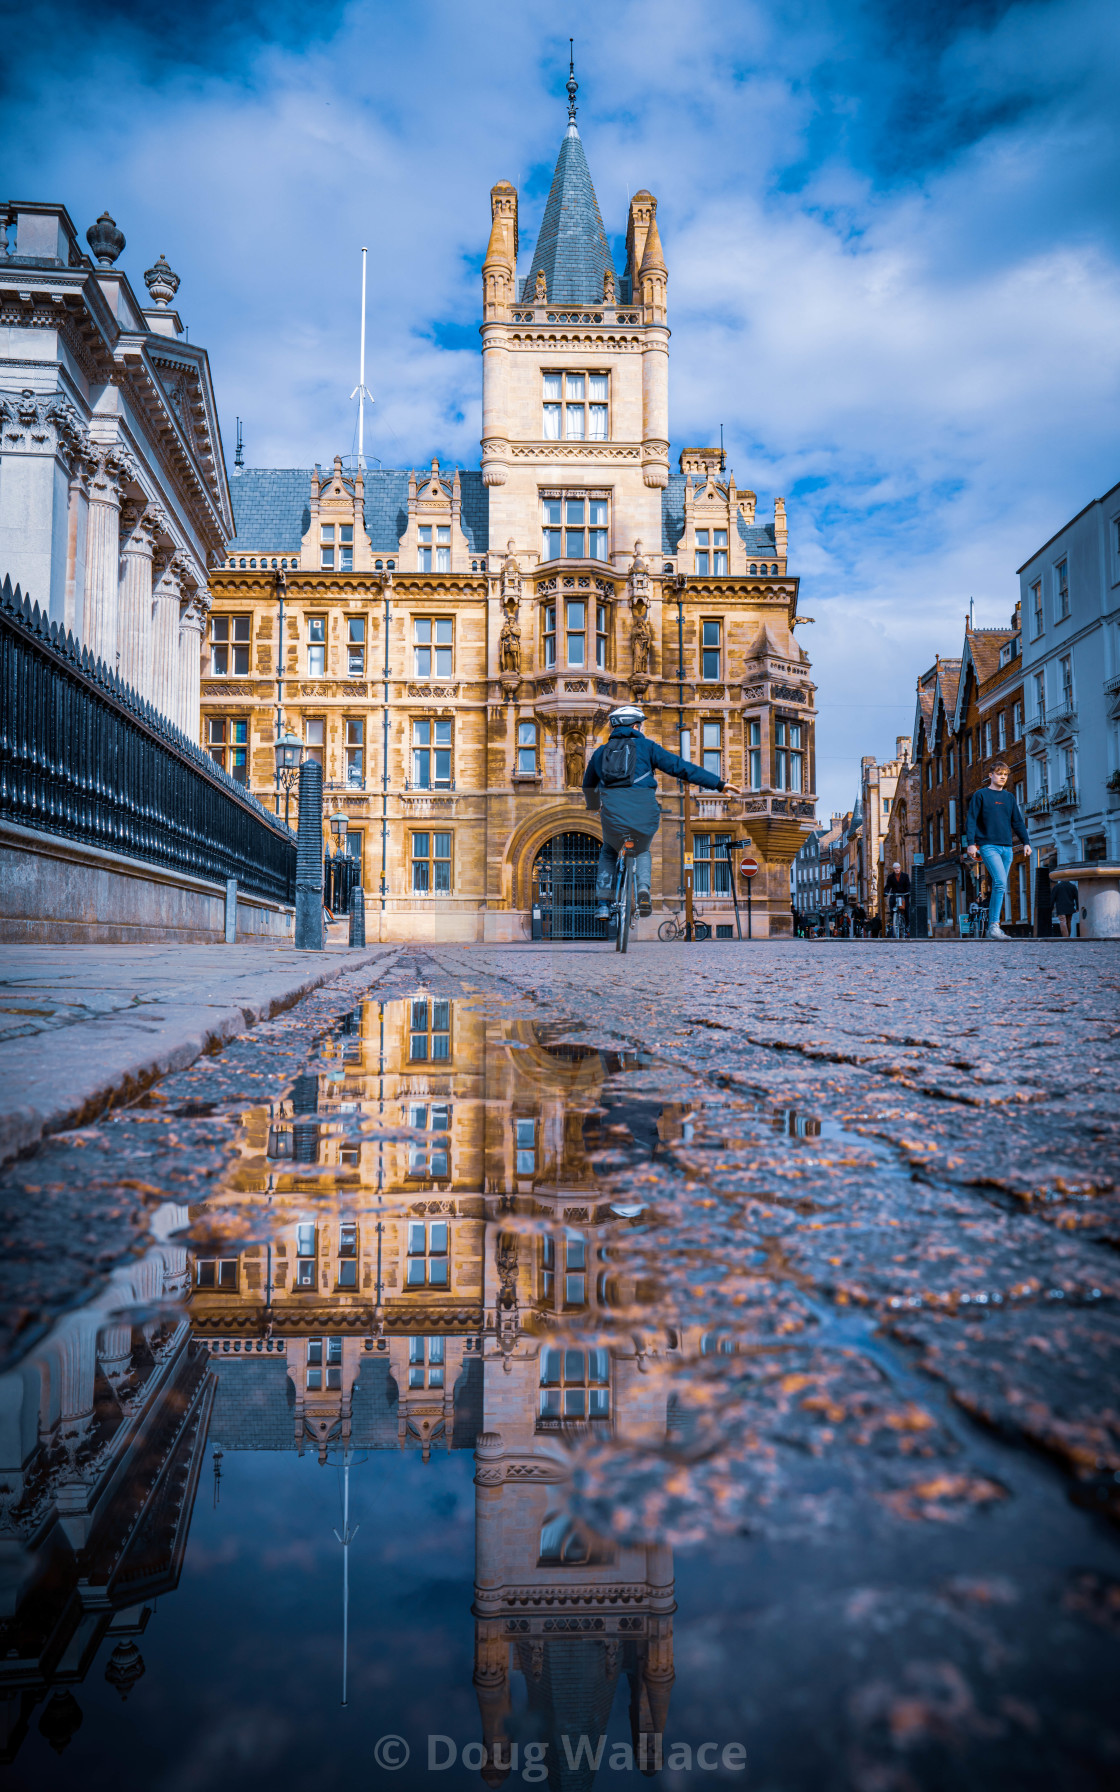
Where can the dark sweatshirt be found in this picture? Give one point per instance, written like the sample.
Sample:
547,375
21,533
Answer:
993,816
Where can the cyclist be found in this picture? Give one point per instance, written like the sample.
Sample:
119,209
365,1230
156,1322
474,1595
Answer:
619,782
897,888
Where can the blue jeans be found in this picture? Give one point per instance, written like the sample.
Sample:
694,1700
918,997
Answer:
998,861
608,859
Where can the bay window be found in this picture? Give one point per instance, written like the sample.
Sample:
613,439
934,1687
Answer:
441,547
754,755
600,635
788,755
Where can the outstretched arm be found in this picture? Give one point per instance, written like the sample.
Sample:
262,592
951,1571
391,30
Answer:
675,767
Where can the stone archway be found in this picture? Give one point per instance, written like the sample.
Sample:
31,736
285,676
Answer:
524,845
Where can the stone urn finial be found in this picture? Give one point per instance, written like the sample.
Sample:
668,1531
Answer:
106,240
161,281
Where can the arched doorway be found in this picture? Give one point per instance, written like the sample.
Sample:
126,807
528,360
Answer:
564,888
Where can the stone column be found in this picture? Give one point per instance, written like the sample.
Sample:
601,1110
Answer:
134,631
103,556
165,639
192,621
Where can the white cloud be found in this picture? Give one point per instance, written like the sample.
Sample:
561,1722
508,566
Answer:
930,355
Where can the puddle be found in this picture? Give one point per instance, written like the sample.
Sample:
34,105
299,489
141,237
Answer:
505,1401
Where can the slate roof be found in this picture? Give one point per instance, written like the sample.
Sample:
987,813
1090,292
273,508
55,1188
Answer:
572,247
272,514
758,538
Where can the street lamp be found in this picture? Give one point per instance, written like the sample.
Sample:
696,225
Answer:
340,826
289,752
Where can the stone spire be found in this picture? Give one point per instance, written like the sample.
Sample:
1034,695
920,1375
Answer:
572,251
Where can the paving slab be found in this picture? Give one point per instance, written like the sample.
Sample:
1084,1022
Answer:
83,1028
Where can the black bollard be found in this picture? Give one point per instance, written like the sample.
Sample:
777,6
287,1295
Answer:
309,859
357,916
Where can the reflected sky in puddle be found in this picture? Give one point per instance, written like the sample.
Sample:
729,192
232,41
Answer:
487,1322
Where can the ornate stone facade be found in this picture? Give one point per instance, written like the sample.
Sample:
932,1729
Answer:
111,461
454,640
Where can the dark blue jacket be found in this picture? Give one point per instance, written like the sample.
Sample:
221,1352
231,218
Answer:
993,816
649,758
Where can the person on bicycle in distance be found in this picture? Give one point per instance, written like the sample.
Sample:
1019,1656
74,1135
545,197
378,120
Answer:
620,784
897,886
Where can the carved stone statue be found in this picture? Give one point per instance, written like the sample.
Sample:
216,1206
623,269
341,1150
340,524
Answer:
641,638
637,579
608,286
509,643
511,578
540,292
575,757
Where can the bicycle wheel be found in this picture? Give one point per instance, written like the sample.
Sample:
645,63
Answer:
624,908
701,930
668,930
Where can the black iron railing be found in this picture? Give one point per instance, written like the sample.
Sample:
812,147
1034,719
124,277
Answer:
341,874
81,755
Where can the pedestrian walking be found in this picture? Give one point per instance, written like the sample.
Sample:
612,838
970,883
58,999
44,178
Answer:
994,821
1064,903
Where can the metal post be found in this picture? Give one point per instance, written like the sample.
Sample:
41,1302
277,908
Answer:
734,891
686,801
309,859
385,759
231,911
750,915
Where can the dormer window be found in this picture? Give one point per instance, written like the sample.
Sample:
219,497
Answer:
711,552
440,547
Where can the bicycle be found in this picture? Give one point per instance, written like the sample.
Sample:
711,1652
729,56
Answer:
674,929
898,918
623,899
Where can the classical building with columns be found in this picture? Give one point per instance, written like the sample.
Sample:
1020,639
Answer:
453,640
114,502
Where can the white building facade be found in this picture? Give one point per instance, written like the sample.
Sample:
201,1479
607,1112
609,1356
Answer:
114,503
1071,672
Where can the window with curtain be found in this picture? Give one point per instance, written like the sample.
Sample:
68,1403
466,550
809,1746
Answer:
711,875
230,641
788,755
227,738
431,863
431,753
754,755
433,646
576,406
433,547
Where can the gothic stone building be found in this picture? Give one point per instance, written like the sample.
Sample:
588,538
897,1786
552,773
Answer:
453,641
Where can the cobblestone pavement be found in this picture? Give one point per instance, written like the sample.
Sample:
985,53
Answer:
879,1184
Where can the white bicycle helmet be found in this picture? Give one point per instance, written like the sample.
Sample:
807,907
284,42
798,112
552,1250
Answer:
628,716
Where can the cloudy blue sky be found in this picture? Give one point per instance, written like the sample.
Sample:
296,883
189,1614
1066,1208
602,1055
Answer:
891,228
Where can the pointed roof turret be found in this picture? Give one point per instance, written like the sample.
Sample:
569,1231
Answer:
572,251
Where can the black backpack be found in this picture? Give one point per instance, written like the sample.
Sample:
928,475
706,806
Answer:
619,759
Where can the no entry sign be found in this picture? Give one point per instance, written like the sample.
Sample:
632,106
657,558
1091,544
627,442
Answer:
748,868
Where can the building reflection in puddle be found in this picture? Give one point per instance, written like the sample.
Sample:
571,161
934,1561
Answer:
413,1251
